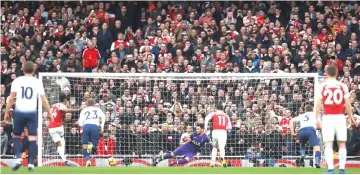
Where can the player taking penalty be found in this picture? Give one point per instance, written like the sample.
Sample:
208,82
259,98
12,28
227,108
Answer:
189,149
307,133
56,128
333,95
90,118
26,90
221,123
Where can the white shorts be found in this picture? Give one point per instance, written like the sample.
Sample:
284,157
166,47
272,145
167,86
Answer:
334,125
57,133
220,136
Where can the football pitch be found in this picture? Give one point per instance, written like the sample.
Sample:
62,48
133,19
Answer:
168,170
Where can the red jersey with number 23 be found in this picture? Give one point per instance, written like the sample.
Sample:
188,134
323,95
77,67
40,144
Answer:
332,94
220,121
57,113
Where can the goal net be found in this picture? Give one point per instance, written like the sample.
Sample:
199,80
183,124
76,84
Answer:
147,114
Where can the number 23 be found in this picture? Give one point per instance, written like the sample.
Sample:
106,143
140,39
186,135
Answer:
87,113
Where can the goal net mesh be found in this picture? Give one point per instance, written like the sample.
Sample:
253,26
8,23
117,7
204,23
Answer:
146,115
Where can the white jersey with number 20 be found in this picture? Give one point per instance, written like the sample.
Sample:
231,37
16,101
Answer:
27,90
92,115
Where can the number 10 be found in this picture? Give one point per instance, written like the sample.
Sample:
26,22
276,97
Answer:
27,92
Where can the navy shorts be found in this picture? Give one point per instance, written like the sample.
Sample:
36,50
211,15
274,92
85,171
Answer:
308,134
184,151
25,119
90,134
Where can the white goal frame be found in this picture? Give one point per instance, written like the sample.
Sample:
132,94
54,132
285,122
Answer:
147,75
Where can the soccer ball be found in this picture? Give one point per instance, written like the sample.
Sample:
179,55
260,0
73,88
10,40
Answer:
112,161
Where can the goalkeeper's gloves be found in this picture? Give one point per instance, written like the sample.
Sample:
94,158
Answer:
214,142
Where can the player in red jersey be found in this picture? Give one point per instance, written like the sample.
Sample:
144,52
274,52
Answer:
56,128
333,95
221,123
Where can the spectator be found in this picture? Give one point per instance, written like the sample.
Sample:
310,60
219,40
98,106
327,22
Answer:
4,141
73,140
106,145
91,57
68,122
105,39
241,141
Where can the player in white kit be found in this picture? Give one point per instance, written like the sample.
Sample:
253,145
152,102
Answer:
26,90
307,133
333,95
90,118
221,123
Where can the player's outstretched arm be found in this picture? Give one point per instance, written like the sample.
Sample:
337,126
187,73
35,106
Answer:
71,110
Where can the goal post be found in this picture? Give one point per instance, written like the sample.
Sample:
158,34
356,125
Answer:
146,115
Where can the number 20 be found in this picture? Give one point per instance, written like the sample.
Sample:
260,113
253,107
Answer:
332,97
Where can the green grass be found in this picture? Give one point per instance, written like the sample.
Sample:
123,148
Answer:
168,170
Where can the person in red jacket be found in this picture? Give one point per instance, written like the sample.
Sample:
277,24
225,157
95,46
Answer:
285,122
91,58
106,145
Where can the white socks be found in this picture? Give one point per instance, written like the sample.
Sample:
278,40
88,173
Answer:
61,151
342,158
222,152
18,161
213,154
329,157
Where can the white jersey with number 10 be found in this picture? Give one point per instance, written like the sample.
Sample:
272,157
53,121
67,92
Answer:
27,90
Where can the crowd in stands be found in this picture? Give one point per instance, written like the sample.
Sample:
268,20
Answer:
150,116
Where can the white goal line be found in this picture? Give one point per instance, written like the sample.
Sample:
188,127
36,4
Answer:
152,156
171,174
